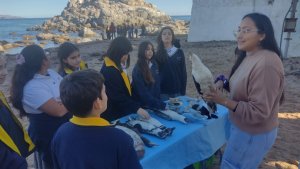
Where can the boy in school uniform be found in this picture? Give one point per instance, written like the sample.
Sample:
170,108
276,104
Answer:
88,141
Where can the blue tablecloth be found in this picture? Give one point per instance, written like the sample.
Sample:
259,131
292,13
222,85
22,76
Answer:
189,143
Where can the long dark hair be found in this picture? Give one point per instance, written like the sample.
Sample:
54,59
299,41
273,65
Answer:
142,62
34,56
119,47
162,55
264,26
64,51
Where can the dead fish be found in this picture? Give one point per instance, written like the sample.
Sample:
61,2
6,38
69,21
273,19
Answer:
171,115
148,128
146,141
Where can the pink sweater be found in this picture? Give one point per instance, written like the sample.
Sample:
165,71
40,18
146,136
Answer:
257,85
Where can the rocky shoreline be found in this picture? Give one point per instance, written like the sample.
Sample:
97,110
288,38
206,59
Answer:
218,56
90,19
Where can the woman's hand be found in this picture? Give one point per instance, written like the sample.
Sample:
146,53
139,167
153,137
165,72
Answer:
143,113
215,95
219,85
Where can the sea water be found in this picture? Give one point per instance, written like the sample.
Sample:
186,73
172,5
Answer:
12,30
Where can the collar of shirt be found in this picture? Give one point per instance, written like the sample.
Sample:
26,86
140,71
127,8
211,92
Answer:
150,64
89,121
40,76
171,51
82,66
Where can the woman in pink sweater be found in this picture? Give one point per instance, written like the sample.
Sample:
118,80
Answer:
256,91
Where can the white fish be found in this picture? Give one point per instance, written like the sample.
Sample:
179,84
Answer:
175,116
147,127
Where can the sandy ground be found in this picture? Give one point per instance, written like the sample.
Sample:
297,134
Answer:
218,56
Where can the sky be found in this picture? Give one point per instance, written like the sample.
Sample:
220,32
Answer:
50,8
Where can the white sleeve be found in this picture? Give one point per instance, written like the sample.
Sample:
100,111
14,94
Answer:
35,95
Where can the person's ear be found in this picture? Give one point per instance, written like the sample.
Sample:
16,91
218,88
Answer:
263,36
97,105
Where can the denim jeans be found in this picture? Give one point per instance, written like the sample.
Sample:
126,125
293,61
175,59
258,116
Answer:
246,151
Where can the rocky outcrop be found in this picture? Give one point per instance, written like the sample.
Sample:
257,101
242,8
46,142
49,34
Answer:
97,14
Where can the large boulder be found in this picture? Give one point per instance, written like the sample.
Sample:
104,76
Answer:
97,14
86,32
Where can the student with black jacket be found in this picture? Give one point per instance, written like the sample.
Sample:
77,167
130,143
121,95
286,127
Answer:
145,78
118,88
171,64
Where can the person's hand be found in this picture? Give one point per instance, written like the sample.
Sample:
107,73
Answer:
214,95
219,85
143,113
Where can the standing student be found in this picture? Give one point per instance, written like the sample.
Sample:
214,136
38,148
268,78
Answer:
15,144
88,141
171,64
35,93
145,78
256,91
118,88
69,59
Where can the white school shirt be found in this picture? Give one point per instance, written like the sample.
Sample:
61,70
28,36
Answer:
39,90
171,51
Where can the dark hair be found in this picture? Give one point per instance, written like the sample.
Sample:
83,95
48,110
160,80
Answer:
79,90
34,56
264,26
176,43
162,55
142,62
119,47
64,51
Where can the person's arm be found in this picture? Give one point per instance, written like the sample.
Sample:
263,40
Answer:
142,91
39,96
53,108
264,90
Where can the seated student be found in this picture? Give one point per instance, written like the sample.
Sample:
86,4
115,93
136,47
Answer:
119,92
145,78
35,93
88,141
15,144
69,59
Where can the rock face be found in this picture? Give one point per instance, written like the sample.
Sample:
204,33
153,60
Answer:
97,14
218,19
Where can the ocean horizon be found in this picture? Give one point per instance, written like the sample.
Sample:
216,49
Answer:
12,30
